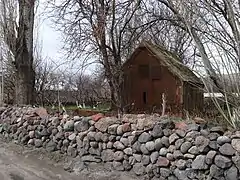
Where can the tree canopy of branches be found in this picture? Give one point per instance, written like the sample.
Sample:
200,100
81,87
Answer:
102,29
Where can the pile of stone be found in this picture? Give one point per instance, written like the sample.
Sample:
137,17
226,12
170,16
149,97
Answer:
149,146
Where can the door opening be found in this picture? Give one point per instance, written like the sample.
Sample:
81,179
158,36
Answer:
145,97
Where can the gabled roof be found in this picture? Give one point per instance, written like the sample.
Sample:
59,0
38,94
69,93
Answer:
170,60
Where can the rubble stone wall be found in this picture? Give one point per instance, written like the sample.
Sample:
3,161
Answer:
150,146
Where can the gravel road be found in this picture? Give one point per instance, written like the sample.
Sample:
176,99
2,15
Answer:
19,163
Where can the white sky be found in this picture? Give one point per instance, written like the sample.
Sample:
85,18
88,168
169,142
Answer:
51,39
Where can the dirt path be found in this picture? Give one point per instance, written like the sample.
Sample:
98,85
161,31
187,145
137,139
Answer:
18,163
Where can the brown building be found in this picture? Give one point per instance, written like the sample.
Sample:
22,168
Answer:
151,71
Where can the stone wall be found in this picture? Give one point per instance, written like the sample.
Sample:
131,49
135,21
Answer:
149,146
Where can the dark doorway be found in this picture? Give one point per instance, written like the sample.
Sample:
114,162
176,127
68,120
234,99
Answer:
145,97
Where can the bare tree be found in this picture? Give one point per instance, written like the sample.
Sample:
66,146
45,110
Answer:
18,36
104,30
214,28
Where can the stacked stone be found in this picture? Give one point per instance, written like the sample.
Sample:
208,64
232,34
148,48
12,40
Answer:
149,146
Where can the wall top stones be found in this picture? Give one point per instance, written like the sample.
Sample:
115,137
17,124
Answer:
152,146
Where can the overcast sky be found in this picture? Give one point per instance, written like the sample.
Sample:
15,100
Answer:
51,39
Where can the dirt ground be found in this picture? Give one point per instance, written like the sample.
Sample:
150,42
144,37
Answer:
21,163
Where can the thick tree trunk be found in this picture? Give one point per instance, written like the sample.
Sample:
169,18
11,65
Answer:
25,79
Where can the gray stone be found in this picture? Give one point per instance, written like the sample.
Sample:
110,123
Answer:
231,173
71,151
91,135
154,156
167,124
94,151
136,147
38,143
120,130
69,126
236,144
127,166
227,149
31,134
185,147
105,137
45,132
94,144
223,139
163,152
31,142
173,138
118,156
165,172
76,118
167,132
213,136
128,151
150,146
181,174
51,146
189,156
204,132
193,127
162,162
98,136
118,166
177,154
201,142
192,135
165,141
107,155
200,163
149,170
181,164
194,150
180,133
113,129
145,160
72,137
118,145
157,131
236,161
55,121
143,149
178,143
103,124
132,160
213,145
222,162
144,137
124,141
132,139
158,144
210,157
215,171
89,158
139,169
138,157
170,156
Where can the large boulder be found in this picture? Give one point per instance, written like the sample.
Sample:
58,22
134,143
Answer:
103,124
81,126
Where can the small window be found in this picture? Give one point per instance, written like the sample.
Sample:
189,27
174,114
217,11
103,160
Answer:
143,71
156,72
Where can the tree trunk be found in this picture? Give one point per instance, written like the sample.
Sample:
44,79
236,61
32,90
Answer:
25,80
